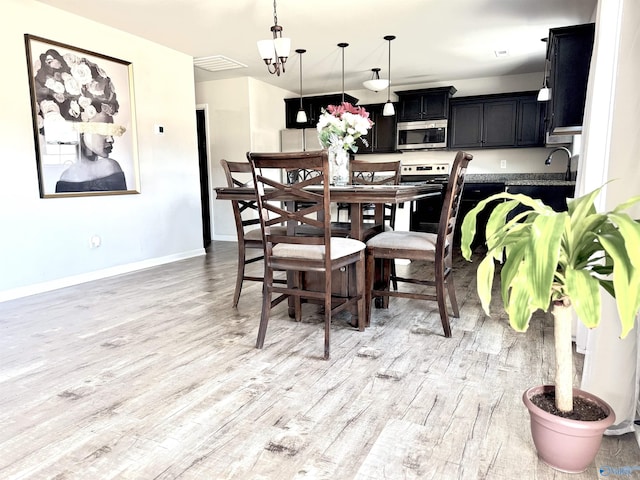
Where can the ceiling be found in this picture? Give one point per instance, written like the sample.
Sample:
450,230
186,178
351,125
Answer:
436,40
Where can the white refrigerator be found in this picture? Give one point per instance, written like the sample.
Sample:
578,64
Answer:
299,140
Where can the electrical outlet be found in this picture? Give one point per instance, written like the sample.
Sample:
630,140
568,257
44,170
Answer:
503,164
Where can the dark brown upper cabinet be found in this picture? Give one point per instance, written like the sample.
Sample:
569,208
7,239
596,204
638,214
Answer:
381,138
569,52
313,108
496,121
424,104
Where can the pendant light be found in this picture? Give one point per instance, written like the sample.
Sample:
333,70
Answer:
343,46
544,95
275,51
389,110
301,117
375,83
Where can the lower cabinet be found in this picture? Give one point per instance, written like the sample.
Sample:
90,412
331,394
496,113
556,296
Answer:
555,196
472,194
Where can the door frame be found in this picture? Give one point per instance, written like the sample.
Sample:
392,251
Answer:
205,164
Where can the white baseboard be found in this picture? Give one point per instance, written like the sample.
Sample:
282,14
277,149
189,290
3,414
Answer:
96,275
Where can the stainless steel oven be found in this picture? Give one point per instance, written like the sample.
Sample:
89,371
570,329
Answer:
424,215
422,135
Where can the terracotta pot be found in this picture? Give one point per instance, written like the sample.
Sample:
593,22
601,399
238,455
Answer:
564,444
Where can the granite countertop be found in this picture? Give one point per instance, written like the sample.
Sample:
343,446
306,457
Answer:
549,179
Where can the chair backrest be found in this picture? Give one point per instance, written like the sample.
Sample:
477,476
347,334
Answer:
374,173
271,192
451,204
245,212
377,173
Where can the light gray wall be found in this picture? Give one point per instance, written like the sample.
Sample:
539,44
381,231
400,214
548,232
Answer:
45,242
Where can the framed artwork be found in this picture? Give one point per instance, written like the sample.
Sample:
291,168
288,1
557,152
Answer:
83,121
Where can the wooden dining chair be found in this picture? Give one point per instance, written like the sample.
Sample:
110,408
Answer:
435,248
245,214
378,173
295,252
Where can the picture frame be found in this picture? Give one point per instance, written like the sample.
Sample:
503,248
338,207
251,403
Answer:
84,121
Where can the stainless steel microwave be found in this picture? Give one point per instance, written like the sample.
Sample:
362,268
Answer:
423,134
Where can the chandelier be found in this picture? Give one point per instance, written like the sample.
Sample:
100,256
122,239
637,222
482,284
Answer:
275,51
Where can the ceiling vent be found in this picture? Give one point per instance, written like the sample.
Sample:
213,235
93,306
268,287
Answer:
217,63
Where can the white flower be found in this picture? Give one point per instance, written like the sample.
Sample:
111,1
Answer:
340,126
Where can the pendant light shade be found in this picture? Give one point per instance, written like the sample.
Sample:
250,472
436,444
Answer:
343,46
275,51
376,83
301,117
544,95
389,110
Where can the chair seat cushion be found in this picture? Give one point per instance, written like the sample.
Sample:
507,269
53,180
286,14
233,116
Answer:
404,241
340,247
256,233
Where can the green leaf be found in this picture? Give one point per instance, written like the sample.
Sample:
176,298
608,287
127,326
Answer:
519,308
542,256
469,223
630,231
626,281
512,264
582,206
468,232
484,275
584,293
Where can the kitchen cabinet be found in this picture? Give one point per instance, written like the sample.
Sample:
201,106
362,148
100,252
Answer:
381,138
530,126
313,108
555,196
424,104
569,52
472,194
496,121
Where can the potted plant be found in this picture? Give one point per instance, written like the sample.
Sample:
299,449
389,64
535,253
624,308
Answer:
559,260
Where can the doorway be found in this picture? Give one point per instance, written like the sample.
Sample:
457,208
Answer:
204,176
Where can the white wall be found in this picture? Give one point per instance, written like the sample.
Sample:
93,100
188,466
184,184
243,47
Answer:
45,242
625,133
244,115
612,138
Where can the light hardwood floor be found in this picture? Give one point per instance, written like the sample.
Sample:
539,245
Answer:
152,375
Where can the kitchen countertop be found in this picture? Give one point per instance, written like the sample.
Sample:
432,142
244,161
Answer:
542,179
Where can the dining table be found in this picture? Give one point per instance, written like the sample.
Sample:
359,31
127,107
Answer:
356,196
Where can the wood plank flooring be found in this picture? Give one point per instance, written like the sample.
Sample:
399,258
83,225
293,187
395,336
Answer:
152,375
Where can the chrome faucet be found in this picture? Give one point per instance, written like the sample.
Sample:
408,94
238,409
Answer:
567,174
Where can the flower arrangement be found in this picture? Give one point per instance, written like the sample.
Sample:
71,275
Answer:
340,125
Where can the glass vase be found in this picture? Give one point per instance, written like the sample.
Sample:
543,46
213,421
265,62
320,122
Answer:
339,166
